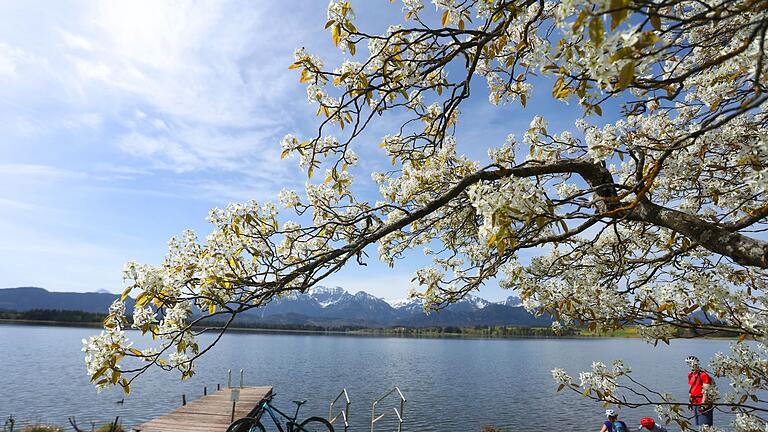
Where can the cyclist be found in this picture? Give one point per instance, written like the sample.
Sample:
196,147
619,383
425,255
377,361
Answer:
699,380
613,424
648,424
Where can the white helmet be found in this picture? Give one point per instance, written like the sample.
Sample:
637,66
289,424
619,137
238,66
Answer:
692,360
610,413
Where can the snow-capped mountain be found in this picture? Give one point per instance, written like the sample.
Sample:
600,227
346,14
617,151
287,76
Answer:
362,306
335,306
512,301
328,296
323,306
412,305
468,304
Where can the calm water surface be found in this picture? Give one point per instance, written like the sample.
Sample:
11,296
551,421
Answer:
450,384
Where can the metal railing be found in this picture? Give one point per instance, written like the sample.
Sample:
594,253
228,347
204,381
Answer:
229,378
400,414
10,422
343,413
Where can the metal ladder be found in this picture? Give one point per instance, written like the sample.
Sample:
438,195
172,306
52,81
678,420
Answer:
400,414
343,412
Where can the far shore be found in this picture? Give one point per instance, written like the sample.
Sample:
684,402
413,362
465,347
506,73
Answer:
360,332
415,333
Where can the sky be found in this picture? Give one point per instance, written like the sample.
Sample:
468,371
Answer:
123,123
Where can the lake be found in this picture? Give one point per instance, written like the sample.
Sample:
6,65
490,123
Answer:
450,384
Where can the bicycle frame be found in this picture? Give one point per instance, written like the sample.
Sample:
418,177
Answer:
273,412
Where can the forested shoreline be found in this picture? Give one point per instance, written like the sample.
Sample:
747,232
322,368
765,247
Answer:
68,317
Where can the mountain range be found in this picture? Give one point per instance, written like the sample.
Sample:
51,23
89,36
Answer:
23,299
321,306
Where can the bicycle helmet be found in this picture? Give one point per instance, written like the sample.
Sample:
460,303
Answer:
647,423
692,360
610,413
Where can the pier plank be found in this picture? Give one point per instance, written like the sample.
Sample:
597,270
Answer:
210,413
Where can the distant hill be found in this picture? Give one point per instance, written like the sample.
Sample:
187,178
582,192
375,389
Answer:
320,306
28,298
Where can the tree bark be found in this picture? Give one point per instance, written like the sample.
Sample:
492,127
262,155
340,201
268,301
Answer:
744,250
720,239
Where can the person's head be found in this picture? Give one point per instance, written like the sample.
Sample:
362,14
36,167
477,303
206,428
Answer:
693,363
611,415
647,423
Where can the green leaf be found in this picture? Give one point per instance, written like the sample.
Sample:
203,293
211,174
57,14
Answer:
626,74
541,221
596,30
580,20
444,20
336,34
621,53
619,12
98,373
125,293
655,19
115,377
143,299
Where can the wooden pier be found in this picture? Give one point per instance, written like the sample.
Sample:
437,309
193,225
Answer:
211,413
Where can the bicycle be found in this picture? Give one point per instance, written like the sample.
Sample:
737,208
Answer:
252,423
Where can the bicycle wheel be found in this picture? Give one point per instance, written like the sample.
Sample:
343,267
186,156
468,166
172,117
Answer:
246,424
315,424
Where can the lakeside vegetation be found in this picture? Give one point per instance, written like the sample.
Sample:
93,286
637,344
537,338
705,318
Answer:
65,317
631,332
473,331
50,316
53,315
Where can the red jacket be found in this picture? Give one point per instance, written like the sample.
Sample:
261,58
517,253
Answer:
697,380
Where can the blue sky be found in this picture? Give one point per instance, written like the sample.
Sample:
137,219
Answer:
122,123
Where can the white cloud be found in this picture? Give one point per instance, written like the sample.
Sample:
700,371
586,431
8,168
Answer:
205,62
75,41
8,59
125,121
209,69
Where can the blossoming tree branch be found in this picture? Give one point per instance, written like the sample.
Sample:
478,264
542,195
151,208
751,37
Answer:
653,219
